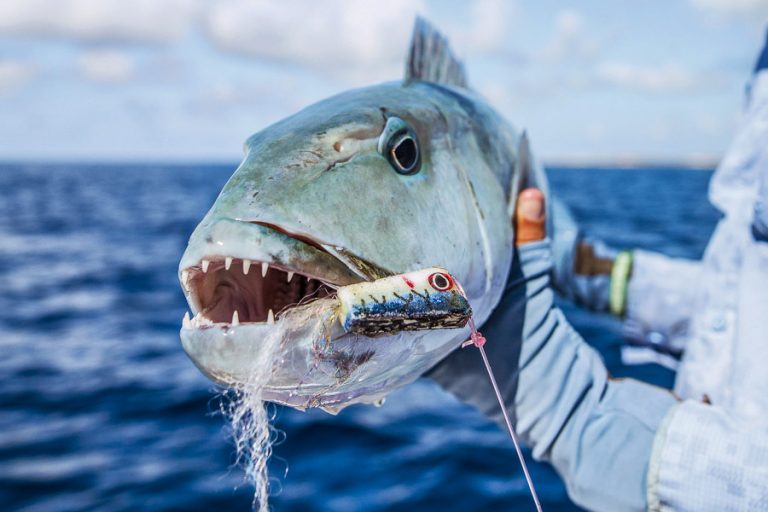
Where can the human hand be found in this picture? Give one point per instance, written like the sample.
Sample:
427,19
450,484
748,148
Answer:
530,217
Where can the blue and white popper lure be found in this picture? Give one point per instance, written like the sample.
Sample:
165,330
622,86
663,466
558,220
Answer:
425,299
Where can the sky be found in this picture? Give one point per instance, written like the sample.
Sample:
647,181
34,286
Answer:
189,80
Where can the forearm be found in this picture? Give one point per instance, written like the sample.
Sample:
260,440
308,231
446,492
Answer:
706,459
597,432
660,299
653,293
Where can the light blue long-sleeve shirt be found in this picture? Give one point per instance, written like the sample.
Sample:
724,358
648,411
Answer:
597,432
619,445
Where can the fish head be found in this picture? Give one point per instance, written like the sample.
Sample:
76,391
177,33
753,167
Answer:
373,182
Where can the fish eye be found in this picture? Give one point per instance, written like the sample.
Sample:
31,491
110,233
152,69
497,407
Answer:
404,154
399,144
440,281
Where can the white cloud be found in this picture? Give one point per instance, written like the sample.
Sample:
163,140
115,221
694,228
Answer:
646,79
489,23
144,21
482,26
571,39
362,38
13,75
362,41
107,66
752,9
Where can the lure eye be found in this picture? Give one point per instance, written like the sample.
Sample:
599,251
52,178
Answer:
440,281
399,144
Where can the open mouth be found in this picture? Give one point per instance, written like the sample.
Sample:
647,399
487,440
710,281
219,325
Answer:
231,291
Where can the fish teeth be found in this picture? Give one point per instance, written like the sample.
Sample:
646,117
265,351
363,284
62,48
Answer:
235,319
199,320
205,266
270,317
246,266
290,276
186,323
185,279
264,268
227,262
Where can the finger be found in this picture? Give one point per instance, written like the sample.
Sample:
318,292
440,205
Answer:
530,217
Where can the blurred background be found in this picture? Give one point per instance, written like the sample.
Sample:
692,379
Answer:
119,123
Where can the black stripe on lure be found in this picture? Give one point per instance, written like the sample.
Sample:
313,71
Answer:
425,299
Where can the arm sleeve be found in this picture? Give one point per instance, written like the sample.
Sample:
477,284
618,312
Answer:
660,299
705,459
596,432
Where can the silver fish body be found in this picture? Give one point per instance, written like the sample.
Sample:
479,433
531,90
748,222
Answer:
316,202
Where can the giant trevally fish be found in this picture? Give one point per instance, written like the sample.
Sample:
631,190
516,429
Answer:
372,182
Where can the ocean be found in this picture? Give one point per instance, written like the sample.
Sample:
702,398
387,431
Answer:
100,409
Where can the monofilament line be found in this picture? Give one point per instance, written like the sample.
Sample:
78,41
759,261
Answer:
510,428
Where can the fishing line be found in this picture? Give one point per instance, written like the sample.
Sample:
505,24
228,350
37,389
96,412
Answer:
478,340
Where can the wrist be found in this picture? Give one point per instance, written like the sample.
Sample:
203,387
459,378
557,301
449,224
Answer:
620,273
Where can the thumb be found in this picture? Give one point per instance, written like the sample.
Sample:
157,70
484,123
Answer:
530,217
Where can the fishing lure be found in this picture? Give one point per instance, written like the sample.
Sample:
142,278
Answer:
425,299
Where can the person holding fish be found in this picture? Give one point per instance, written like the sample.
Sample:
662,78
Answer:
625,445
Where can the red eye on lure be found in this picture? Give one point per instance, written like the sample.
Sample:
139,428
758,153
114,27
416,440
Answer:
440,281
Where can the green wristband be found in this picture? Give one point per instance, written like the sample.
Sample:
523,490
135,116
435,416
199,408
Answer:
620,271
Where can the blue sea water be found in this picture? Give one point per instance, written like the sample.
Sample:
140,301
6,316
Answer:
100,409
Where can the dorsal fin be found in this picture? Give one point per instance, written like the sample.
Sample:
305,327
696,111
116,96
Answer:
430,58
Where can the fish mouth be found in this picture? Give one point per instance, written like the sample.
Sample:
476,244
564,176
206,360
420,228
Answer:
230,291
226,288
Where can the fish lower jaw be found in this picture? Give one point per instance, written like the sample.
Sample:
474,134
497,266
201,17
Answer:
200,321
226,291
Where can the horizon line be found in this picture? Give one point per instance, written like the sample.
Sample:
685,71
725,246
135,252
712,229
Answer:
705,163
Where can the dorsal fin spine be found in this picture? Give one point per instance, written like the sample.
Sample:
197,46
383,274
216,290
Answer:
430,58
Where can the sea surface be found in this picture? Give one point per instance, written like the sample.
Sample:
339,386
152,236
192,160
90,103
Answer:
100,409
